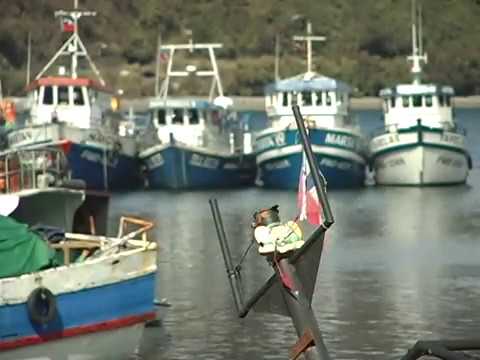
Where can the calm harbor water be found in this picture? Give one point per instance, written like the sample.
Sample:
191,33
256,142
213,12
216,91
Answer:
399,264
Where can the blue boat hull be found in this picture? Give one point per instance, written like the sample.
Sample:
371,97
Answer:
339,155
87,163
176,167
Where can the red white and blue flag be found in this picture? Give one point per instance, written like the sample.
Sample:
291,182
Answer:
67,23
307,200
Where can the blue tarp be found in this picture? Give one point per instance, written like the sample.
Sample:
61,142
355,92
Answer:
308,82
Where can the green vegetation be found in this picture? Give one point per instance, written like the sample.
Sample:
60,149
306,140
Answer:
367,40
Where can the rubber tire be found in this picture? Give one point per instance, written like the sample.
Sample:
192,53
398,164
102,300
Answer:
34,301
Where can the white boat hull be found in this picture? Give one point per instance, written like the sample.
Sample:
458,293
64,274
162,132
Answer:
109,345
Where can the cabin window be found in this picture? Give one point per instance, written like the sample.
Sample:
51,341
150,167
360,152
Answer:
78,96
406,101
48,95
392,101
62,95
319,100
161,118
193,116
307,98
448,100
328,99
285,99
177,116
428,100
440,100
417,100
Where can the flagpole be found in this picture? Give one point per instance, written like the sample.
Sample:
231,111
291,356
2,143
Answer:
317,179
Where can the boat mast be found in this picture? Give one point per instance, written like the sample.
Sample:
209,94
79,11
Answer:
418,56
73,47
309,38
213,72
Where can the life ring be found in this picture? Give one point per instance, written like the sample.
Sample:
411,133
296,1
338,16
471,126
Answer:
41,306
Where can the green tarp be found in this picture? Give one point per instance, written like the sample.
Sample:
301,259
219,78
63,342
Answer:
22,251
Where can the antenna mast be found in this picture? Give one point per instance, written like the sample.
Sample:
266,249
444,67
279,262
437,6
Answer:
309,38
417,56
73,47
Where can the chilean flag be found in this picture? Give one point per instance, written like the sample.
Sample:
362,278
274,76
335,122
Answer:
307,200
68,24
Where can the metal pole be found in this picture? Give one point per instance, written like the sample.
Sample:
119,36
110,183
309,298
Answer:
157,66
317,179
29,57
301,311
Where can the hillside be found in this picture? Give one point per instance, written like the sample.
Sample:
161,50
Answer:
367,41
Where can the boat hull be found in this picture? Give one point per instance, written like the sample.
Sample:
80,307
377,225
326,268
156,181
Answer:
339,157
103,162
175,166
96,301
420,157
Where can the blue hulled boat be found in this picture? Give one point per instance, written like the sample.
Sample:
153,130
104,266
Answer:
196,143
80,114
337,142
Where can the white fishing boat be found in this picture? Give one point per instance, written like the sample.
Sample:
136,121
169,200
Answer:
65,106
338,145
198,142
421,144
66,293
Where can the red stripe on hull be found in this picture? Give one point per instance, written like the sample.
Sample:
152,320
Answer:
80,330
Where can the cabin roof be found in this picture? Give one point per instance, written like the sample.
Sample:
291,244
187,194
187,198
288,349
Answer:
417,89
67,81
308,81
179,102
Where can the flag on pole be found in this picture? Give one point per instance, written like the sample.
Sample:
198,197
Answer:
307,200
67,23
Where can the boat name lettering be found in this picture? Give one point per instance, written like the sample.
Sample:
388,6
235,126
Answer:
384,140
331,163
391,163
204,161
154,161
452,138
92,156
270,141
448,161
342,140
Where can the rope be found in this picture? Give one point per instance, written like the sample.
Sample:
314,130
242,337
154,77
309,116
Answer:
238,267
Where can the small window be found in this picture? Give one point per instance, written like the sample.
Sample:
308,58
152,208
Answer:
177,116
339,98
319,98
78,96
417,100
294,98
428,100
62,95
161,118
448,100
406,101
328,99
440,100
47,95
193,116
285,99
307,98
392,101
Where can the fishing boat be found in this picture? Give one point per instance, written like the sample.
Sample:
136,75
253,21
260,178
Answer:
338,145
67,293
67,107
420,144
197,142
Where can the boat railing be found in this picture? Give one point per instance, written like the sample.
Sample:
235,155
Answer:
397,127
32,168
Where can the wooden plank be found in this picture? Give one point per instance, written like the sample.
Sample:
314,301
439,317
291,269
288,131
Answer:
303,343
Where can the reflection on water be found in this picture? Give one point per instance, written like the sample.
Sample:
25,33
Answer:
399,264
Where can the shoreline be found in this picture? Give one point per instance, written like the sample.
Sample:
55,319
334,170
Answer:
256,103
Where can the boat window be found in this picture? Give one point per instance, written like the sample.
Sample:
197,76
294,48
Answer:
285,99
392,101
307,98
339,98
161,118
440,100
406,101
319,98
328,99
62,95
417,100
177,116
294,98
428,100
78,96
193,116
447,100
47,95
